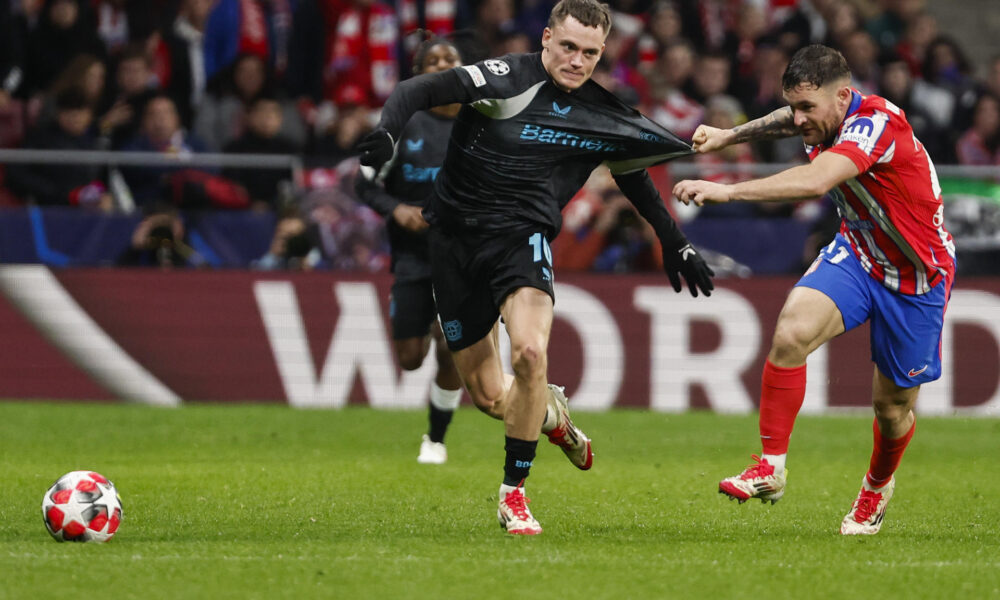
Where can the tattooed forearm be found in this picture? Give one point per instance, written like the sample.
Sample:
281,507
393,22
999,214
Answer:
778,124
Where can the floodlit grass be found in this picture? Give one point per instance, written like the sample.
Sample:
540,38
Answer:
270,502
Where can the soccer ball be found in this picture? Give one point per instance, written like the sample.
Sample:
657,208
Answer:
82,506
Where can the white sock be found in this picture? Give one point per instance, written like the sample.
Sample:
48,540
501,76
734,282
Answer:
506,489
776,460
443,399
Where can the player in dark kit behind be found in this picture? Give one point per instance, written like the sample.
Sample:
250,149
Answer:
400,195
532,128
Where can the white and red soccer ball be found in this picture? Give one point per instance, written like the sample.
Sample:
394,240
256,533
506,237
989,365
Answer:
82,506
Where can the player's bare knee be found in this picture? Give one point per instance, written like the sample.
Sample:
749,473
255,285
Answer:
790,346
528,361
485,398
410,360
891,409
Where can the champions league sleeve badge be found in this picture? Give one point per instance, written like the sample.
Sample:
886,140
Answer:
496,66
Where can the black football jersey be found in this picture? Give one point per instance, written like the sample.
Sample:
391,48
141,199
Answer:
409,179
521,147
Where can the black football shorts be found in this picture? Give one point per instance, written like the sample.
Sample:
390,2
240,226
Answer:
411,308
474,273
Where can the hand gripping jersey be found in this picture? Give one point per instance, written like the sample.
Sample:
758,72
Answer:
891,212
521,147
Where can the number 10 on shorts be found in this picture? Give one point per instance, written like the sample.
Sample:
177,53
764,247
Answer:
540,248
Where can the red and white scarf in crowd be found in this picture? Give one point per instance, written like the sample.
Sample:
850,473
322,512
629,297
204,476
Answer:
439,16
253,30
361,57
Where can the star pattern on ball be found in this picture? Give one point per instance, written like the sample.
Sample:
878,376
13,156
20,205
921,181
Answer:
72,511
109,499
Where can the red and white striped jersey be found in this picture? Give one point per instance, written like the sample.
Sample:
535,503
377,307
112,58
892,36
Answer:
891,212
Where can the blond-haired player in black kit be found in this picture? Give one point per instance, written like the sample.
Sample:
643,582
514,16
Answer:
531,130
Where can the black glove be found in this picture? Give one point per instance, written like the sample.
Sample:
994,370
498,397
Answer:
687,262
376,148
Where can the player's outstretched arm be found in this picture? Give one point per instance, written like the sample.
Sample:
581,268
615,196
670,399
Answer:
680,258
415,94
776,125
828,170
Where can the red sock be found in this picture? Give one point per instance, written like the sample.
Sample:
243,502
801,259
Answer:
782,391
886,455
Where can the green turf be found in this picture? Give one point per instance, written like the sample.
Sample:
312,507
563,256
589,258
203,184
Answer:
270,502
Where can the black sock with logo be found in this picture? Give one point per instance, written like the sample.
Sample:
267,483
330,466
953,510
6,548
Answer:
520,454
439,423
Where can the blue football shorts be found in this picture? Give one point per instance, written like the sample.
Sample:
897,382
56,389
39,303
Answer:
905,330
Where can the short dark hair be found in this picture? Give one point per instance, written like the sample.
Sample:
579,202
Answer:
590,13
815,65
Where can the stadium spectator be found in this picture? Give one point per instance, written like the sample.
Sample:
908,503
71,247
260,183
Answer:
947,67
361,46
120,22
888,27
12,49
712,76
234,28
337,141
56,184
843,18
159,241
912,48
262,136
741,41
292,247
724,112
85,73
515,42
663,28
350,235
135,84
919,100
307,55
893,267
495,21
619,240
862,54
669,105
185,41
803,26
762,94
280,15
161,132
221,117
616,73
980,144
65,29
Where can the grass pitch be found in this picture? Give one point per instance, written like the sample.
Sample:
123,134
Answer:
270,502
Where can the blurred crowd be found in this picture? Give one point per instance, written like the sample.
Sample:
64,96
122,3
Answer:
308,77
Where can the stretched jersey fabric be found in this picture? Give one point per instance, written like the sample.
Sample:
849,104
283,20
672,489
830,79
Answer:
410,179
891,213
521,147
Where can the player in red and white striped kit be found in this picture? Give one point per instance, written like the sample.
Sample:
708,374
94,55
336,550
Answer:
893,264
